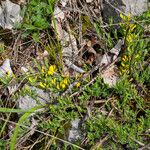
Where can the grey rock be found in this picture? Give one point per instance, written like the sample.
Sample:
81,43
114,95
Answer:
9,14
113,8
74,133
27,102
5,68
135,7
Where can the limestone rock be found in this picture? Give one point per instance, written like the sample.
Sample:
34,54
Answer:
5,69
113,8
74,133
27,102
9,14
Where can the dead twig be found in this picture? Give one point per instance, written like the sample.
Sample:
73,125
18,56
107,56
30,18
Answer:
136,141
100,143
146,147
74,67
86,75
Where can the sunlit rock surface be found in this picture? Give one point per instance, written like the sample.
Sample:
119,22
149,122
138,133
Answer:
74,133
9,14
113,8
135,7
27,102
5,68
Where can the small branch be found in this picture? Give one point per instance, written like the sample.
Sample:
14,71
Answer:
145,147
74,67
100,143
136,141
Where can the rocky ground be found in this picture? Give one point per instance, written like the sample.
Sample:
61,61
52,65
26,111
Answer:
74,74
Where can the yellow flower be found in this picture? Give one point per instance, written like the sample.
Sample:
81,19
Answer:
76,76
130,38
58,87
62,85
43,70
43,85
131,80
123,17
53,81
78,84
122,64
13,75
27,88
126,18
65,81
8,73
137,56
132,27
124,58
30,79
51,70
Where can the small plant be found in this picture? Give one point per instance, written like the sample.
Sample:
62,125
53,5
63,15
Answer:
2,144
37,17
6,79
135,47
2,48
50,80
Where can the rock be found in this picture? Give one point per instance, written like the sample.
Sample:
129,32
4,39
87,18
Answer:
112,8
5,69
74,133
9,14
27,102
135,7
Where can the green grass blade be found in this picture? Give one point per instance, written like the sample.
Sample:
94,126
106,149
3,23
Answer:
21,120
12,110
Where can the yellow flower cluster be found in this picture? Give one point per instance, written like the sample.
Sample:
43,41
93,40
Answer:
129,26
125,18
128,29
51,70
124,65
63,84
131,36
78,84
53,82
43,85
